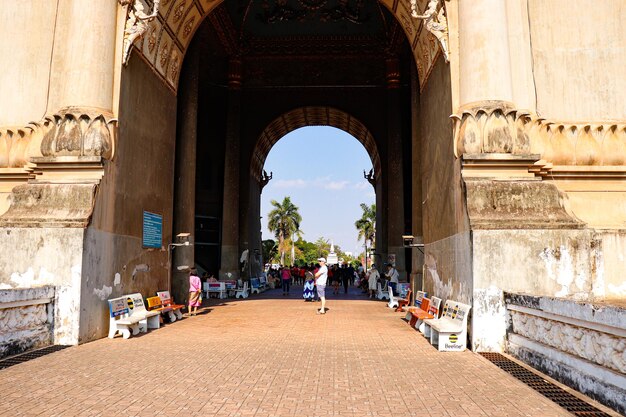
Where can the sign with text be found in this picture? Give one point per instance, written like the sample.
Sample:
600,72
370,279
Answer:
152,230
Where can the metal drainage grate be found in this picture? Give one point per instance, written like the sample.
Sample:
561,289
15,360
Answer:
25,357
553,392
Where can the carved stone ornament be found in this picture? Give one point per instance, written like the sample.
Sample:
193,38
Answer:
136,24
601,348
490,127
76,131
497,127
18,144
435,22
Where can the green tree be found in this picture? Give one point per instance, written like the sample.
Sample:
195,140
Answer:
366,225
270,250
284,221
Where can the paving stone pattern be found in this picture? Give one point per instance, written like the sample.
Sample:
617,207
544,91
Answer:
267,356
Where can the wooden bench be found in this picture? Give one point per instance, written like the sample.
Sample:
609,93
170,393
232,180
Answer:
432,312
449,333
413,312
137,308
404,301
419,296
120,320
167,301
155,304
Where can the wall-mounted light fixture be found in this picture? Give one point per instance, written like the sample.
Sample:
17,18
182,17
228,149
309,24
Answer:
408,243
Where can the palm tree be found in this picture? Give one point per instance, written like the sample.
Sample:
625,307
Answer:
284,221
366,226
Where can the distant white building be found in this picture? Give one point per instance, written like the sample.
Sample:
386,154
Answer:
332,256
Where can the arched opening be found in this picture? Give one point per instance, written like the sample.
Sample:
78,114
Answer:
248,79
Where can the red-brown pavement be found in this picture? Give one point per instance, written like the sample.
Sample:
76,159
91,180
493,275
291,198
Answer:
269,355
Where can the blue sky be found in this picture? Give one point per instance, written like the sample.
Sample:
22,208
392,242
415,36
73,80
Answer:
321,169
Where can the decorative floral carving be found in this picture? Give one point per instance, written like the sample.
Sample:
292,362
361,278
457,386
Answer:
179,11
187,28
491,127
601,348
152,38
17,145
164,56
79,132
137,25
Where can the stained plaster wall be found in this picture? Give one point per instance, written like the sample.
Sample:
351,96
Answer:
576,264
30,258
447,248
570,85
140,177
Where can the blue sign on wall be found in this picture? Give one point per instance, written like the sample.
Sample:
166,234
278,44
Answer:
152,230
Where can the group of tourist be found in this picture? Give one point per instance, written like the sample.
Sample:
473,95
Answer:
313,278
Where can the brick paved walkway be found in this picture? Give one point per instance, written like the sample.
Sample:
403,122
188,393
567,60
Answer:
269,356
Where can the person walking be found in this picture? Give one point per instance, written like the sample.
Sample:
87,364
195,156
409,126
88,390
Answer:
372,281
195,292
285,274
393,275
321,276
348,277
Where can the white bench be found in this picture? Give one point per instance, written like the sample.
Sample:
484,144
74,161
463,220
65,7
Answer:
120,319
449,333
255,285
393,301
263,283
243,291
380,294
137,308
218,288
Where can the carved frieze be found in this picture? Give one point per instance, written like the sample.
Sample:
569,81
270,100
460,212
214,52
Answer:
602,348
23,318
498,127
76,131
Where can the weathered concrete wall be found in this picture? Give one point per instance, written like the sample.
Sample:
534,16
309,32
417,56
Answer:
579,73
26,319
140,177
30,258
579,264
445,226
580,344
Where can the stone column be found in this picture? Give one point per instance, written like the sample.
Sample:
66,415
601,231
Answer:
84,55
230,212
185,174
395,180
485,69
417,256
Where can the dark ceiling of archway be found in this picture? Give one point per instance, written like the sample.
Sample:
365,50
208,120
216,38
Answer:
272,18
306,27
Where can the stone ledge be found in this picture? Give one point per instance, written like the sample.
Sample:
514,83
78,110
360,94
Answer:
50,205
517,204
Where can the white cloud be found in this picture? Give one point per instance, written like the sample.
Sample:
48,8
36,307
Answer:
295,183
362,185
336,185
